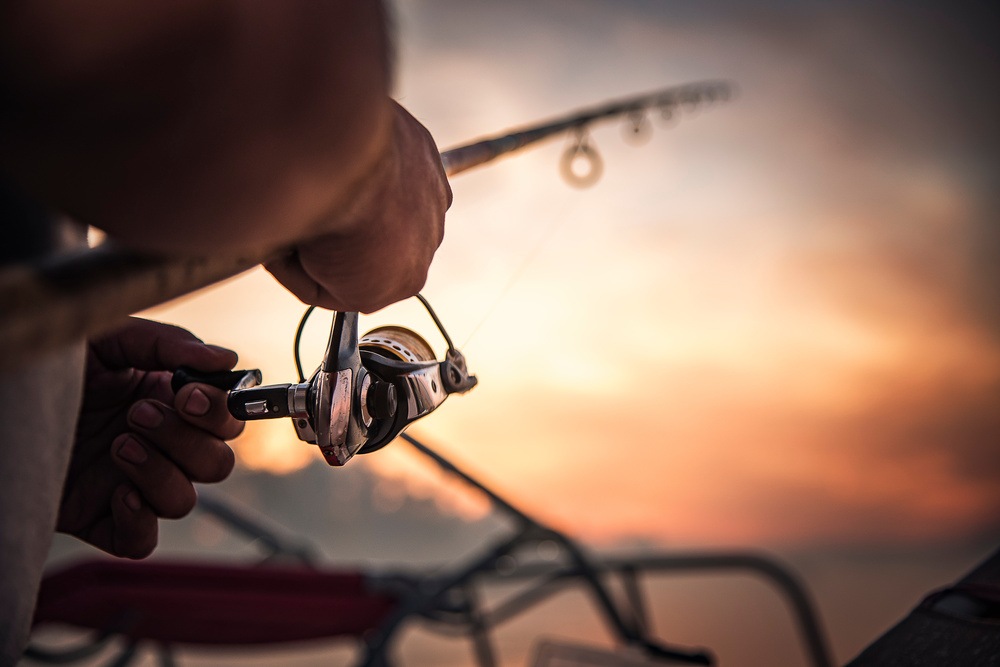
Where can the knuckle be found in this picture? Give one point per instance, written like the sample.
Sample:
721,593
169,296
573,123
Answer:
180,503
233,429
322,298
217,465
450,196
141,546
142,550
416,281
439,239
227,461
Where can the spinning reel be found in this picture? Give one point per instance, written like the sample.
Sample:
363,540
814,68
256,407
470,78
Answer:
364,393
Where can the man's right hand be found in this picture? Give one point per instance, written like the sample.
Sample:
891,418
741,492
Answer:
218,128
382,246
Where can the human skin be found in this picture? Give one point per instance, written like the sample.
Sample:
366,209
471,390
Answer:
210,127
139,446
202,127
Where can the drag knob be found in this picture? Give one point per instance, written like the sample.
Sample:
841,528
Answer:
381,400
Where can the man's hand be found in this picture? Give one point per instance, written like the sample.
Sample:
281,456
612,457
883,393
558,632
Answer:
138,446
382,247
221,128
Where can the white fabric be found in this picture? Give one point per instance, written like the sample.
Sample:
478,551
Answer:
39,405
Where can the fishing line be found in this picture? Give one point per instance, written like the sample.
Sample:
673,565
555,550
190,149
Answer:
556,222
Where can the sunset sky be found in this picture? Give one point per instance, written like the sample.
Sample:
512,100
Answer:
782,301
775,323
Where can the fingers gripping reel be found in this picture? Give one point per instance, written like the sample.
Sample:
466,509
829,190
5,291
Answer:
364,393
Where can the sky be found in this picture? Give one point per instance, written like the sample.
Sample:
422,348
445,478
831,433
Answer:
775,323
784,298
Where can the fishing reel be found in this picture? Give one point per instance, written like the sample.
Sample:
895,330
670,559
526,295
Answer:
365,392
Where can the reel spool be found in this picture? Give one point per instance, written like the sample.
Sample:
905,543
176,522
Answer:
398,343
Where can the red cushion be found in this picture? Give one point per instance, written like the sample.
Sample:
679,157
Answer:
211,604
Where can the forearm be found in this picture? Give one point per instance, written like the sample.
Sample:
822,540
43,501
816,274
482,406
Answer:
197,126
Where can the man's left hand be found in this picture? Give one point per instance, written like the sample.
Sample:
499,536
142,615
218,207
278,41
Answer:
139,447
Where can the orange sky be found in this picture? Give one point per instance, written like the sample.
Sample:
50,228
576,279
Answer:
766,325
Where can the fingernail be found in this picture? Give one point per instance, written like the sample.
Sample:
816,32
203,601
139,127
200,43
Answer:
197,403
146,415
132,501
131,451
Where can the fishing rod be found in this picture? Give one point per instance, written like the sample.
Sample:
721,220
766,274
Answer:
668,102
54,302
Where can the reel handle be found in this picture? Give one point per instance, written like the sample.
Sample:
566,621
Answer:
247,400
272,401
228,380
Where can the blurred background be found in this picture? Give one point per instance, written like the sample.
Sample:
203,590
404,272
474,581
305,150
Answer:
774,324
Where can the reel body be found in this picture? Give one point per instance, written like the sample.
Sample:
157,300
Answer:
364,393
